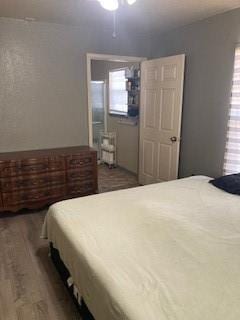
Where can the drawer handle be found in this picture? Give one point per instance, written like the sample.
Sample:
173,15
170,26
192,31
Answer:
80,162
33,168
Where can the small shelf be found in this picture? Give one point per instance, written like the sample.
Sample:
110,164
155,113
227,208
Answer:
108,148
133,89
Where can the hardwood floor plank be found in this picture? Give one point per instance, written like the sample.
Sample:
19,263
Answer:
4,274
115,179
7,312
35,311
24,280
57,294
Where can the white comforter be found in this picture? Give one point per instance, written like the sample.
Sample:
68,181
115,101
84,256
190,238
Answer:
168,251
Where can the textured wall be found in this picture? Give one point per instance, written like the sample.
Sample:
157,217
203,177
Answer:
43,91
209,47
127,135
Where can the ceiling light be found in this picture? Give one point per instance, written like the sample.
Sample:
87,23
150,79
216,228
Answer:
110,5
113,5
131,2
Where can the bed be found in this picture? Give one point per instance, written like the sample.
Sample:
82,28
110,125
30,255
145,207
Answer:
168,251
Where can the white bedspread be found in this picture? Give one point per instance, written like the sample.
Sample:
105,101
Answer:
168,251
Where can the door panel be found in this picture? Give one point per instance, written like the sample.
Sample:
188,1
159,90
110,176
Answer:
160,118
164,162
150,113
169,72
151,74
167,102
148,158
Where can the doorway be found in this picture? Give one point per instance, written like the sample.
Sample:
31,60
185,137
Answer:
157,136
120,78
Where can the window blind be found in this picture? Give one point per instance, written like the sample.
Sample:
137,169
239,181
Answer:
118,95
232,154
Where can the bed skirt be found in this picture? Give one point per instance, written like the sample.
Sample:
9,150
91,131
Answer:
66,278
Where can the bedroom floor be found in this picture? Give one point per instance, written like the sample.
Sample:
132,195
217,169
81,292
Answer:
115,179
30,287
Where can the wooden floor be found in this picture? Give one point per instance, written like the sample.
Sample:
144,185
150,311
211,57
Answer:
115,179
30,287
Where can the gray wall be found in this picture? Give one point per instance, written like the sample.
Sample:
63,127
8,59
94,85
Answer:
43,96
209,47
127,135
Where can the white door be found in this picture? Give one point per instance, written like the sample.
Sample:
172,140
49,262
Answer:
160,118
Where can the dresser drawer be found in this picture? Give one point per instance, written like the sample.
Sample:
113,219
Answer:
81,174
80,161
24,197
31,166
56,164
83,188
32,181
35,178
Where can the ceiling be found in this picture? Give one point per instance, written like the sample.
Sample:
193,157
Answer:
144,14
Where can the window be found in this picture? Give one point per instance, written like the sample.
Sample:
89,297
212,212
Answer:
118,95
232,154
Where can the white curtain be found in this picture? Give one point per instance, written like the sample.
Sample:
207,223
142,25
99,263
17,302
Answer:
232,154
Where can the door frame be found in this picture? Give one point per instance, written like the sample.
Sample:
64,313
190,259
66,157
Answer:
104,57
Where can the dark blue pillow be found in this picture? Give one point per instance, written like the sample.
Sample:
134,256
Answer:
229,183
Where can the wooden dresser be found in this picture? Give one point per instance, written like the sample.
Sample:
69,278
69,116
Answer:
33,179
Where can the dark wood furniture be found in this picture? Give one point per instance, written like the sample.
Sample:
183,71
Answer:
33,179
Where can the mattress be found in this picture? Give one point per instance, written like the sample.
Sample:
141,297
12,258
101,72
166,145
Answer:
168,251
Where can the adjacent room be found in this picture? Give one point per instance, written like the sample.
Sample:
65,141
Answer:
119,160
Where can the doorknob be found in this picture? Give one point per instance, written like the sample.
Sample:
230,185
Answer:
173,139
